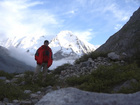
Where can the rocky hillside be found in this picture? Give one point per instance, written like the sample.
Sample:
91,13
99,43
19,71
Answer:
127,39
87,75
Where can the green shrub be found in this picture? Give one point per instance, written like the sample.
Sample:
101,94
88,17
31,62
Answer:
105,78
11,92
50,80
7,75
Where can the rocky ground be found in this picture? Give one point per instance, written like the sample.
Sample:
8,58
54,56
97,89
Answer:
73,96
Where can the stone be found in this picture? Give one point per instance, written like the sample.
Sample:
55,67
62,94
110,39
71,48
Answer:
126,84
1,103
14,80
73,96
6,100
113,56
27,91
34,101
15,101
20,76
34,95
22,83
7,81
26,103
38,92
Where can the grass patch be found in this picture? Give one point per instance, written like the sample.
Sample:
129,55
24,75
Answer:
50,81
7,75
11,92
105,78
16,90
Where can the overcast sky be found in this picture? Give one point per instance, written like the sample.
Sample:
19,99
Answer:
92,20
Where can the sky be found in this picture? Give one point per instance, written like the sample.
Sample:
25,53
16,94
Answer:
92,20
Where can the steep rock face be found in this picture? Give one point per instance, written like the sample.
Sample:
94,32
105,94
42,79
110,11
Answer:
10,64
127,39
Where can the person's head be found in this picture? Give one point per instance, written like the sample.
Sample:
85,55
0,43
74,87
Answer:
46,42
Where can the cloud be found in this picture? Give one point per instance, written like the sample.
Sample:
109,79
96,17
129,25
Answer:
18,18
46,17
118,26
22,56
86,35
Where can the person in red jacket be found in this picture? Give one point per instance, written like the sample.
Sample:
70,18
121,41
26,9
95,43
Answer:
43,57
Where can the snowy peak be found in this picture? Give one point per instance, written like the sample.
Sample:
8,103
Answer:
65,39
64,45
67,44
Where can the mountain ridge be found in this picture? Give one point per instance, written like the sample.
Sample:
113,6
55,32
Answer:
65,42
127,39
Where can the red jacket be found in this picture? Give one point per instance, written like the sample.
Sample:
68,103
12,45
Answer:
44,55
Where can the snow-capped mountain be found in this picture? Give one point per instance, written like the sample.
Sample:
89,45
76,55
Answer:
29,43
66,44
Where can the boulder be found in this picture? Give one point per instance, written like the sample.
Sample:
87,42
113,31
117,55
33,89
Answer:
73,96
113,56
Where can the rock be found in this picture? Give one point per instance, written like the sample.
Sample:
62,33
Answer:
127,84
1,103
27,91
85,67
26,103
34,96
113,56
20,76
14,80
15,101
48,89
7,81
6,100
38,92
73,96
22,83
34,101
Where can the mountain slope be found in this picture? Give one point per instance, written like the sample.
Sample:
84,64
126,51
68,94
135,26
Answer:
127,39
10,64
